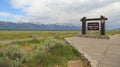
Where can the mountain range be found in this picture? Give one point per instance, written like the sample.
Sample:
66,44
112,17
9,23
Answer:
6,25
117,29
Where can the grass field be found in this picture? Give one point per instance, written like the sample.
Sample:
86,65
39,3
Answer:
11,35
108,32
37,53
49,51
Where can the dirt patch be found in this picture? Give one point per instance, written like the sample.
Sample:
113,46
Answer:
75,63
27,48
116,36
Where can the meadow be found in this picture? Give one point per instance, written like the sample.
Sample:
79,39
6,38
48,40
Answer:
12,35
44,49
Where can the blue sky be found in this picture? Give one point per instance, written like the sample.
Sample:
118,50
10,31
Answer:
60,11
5,6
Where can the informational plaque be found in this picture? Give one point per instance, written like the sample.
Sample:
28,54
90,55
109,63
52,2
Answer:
93,26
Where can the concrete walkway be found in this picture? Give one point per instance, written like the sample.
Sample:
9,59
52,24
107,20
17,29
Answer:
100,52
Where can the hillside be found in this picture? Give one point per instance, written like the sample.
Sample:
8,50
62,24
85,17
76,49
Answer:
31,26
117,29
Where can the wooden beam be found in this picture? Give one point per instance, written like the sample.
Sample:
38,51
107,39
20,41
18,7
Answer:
93,19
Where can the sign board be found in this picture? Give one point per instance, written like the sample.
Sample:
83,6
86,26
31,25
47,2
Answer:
93,26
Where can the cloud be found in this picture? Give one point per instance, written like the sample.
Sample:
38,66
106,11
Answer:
65,11
19,4
3,14
12,17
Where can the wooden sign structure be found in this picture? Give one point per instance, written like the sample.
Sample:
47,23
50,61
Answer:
102,19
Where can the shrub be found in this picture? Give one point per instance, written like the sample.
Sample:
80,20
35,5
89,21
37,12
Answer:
56,36
15,53
1,53
12,57
4,62
40,51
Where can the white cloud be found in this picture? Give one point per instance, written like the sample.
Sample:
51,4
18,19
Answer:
3,14
109,10
20,3
65,11
12,17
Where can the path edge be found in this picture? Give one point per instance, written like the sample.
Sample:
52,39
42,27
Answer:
93,63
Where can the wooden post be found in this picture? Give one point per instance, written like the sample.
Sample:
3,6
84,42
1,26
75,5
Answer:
102,25
83,25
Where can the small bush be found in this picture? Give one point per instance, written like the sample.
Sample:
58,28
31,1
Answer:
15,53
40,51
1,53
56,36
4,62
13,57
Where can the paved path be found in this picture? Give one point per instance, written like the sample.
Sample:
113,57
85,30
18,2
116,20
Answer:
100,52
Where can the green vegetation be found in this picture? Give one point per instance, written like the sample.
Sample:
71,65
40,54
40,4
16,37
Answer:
44,49
108,32
113,32
37,53
13,35
11,56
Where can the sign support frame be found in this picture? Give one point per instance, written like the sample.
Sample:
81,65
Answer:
102,19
